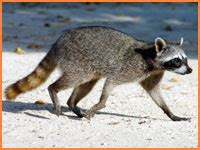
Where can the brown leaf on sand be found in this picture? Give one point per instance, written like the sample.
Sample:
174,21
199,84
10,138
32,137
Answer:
167,87
19,50
40,102
174,79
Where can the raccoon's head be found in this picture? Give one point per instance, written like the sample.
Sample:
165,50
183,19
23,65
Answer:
171,57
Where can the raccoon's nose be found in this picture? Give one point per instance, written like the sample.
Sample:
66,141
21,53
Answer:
189,70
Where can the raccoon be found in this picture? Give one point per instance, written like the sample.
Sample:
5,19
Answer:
86,54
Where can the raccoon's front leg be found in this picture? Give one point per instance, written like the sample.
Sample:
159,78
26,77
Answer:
78,93
151,85
107,89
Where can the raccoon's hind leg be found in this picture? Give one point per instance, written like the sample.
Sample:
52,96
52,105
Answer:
151,85
80,92
61,84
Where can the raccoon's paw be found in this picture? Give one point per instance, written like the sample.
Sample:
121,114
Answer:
176,118
89,114
57,110
78,111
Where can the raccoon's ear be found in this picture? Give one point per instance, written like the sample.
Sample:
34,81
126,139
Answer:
181,41
159,44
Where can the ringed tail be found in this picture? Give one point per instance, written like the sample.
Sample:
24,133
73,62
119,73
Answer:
33,80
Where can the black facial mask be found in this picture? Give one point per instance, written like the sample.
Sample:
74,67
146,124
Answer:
174,63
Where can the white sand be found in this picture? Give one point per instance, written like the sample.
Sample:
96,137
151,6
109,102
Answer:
131,119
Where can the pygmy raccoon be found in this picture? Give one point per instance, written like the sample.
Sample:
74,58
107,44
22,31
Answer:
85,55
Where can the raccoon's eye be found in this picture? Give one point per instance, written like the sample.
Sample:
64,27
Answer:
168,64
177,62
174,63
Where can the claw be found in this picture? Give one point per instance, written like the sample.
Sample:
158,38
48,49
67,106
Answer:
89,114
176,118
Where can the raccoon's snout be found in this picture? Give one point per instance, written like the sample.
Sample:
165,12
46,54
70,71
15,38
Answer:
184,69
189,70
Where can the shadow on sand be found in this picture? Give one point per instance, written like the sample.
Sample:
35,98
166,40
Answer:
20,107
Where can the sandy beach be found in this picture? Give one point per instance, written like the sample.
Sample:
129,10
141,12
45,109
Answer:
130,118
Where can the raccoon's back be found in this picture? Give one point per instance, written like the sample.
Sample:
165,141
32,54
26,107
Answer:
92,45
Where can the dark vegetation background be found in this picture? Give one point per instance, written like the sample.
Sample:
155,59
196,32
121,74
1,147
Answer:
35,26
